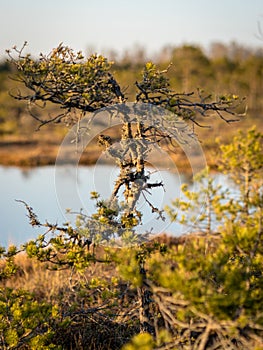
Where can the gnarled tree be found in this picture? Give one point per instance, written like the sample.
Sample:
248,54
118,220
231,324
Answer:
85,86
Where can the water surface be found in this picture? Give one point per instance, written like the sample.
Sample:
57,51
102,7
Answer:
51,190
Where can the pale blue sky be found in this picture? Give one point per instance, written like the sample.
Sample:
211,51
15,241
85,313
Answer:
116,24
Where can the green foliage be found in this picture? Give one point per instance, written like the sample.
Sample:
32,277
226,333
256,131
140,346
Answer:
202,291
243,156
129,262
207,289
66,79
142,341
242,159
219,278
111,224
224,70
145,341
200,208
8,267
65,250
82,84
209,204
153,80
24,321
75,84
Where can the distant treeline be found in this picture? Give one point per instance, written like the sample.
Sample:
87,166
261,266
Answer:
222,69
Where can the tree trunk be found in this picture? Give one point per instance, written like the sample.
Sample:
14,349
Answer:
145,299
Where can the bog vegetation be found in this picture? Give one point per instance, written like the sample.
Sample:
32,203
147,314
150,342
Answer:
66,290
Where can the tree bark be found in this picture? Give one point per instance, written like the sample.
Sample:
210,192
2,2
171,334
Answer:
145,299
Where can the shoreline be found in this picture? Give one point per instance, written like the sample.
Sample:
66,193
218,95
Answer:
35,153
23,153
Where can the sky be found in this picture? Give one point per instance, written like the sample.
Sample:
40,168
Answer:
101,25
